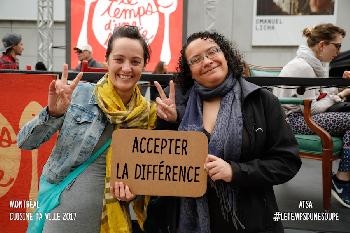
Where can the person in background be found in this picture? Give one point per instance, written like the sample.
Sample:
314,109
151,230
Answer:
323,44
84,53
13,47
85,115
40,66
160,68
251,147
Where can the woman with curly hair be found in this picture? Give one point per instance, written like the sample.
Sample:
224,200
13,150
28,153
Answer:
250,145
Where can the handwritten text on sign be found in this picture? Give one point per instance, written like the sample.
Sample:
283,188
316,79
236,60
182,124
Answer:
160,162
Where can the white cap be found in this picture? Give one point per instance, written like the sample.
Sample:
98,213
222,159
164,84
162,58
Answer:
86,47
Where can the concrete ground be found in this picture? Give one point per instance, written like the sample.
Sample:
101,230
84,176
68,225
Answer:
307,186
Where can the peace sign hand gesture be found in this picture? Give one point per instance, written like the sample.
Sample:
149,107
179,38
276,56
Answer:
60,93
166,106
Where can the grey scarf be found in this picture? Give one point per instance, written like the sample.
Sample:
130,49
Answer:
225,142
308,55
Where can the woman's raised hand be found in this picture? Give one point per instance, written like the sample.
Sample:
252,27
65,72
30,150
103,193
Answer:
166,106
60,93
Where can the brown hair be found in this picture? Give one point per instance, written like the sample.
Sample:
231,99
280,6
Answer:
322,32
131,32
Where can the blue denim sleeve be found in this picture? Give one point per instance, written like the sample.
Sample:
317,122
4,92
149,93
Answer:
38,130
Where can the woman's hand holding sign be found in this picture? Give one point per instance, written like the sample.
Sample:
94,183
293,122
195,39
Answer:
122,192
166,106
218,169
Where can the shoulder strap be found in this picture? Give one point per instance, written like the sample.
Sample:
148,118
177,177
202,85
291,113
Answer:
76,172
49,194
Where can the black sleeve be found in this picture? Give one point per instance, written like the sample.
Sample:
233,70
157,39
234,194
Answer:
279,161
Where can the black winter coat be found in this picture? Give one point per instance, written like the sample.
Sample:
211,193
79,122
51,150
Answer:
269,157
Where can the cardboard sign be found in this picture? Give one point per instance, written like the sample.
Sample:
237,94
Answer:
160,162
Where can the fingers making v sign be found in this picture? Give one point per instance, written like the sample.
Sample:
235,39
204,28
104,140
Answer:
60,93
166,106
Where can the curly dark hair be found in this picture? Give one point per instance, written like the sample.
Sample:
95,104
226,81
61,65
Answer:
131,32
232,55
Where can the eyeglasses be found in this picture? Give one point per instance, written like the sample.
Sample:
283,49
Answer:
210,53
337,45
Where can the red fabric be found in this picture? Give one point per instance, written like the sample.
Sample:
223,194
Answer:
22,97
108,14
8,62
321,96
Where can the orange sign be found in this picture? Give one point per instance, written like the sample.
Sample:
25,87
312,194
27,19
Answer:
22,97
160,22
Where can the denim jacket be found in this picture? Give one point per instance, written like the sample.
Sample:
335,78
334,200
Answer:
79,131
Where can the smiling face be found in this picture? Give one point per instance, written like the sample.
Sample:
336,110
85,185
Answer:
212,70
329,50
125,65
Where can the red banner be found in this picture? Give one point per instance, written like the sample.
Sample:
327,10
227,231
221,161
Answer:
160,22
22,97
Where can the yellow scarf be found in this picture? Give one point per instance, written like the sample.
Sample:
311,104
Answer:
139,113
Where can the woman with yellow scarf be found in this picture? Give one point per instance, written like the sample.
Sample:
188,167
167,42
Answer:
75,178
